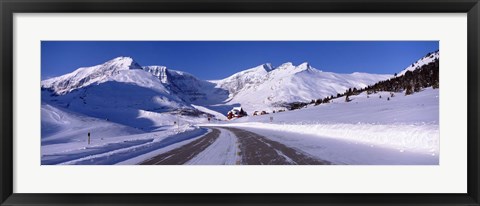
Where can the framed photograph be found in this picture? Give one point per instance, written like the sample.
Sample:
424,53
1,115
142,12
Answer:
237,102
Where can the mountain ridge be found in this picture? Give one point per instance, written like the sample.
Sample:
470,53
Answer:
263,87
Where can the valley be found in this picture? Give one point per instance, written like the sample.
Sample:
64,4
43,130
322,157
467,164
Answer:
154,115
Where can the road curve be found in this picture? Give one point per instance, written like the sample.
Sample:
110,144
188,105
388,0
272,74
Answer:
183,154
259,150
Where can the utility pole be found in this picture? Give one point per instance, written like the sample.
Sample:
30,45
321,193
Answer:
178,122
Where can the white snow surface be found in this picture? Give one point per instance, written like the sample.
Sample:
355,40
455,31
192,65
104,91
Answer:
216,114
117,149
265,88
64,137
152,87
343,151
187,87
62,126
403,124
132,150
85,76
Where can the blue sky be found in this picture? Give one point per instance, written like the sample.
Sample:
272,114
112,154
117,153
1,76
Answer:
218,59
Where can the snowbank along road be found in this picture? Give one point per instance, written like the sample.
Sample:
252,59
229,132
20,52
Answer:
255,149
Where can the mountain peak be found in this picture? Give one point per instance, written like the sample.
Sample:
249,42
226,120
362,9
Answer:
123,58
123,62
304,65
289,66
85,76
286,65
261,69
430,57
268,67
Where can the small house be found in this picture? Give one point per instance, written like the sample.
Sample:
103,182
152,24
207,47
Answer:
236,112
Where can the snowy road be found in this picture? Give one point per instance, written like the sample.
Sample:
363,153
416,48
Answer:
259,150
254,149
185,153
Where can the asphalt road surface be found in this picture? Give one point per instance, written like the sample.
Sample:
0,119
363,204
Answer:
259,150
183,154
255,150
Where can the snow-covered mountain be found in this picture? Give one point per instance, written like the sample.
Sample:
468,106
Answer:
135,112
118,69
430,57
188,87
244,79
122,84
118,90
265,87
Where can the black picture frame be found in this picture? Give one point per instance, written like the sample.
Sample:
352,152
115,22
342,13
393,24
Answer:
10,7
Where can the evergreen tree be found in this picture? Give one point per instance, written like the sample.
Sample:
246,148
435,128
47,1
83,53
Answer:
408,90
417,87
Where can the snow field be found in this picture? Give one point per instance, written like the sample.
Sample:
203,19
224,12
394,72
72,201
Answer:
130,112
341,151
415,138
128,152
216,114
404,126
66,140
62,126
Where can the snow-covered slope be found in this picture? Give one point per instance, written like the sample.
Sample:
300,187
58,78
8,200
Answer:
65,141
423,61
85,76
377,108
61,126
188,87
244,79
400,123
264,87
120,91
159,71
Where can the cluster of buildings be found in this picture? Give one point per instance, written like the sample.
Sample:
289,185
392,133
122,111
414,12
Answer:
238,112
